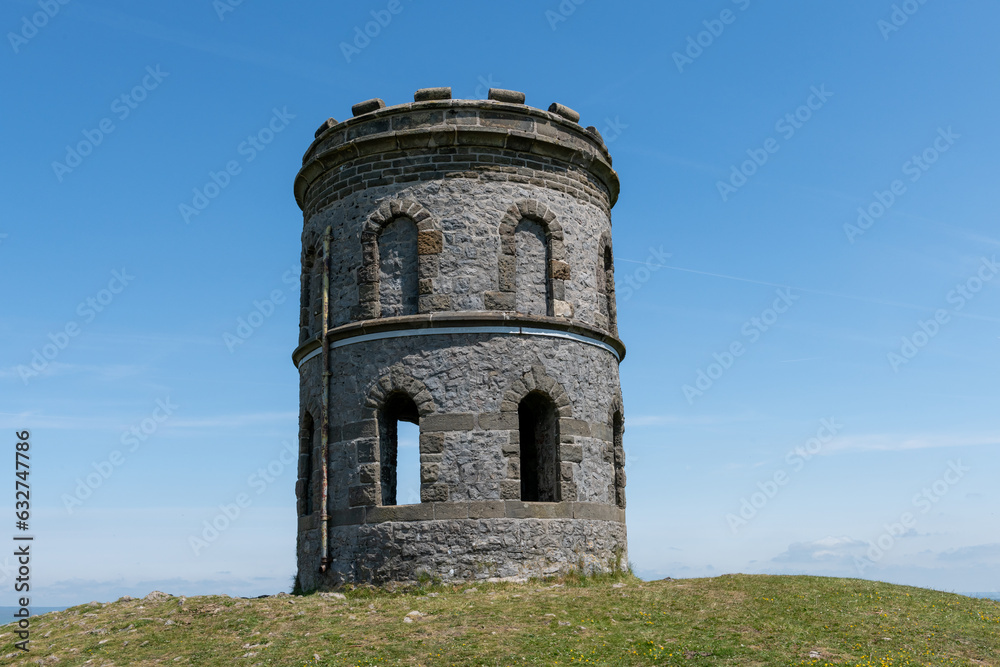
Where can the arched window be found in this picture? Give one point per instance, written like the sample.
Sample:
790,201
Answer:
314,292
617,429
532,287
307,435
397,266
538,423
398,407
305,296
609,289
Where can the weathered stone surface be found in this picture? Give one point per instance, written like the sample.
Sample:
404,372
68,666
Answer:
502,95
430,243
425,94
367,106
327,124
434,493
559,270
497,421
363,494
431,443
564,111
449,422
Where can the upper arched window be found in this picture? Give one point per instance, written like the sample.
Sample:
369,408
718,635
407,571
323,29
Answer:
607,284
533,289
306,295
532,263
397,268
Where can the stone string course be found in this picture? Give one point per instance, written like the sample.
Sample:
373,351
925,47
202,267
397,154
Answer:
461,177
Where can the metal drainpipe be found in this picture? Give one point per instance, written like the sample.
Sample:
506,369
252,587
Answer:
324,517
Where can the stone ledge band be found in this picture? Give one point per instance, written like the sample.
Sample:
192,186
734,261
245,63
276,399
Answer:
431,325
468,510
515,331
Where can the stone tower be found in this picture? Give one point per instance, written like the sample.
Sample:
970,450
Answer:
457,274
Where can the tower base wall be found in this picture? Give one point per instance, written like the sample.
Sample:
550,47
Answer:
466,550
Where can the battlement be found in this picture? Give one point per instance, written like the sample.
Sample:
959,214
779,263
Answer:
434,121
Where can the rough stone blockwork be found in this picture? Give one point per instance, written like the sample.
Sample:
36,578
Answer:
468,288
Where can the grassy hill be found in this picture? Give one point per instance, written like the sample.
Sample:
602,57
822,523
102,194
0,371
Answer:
730,620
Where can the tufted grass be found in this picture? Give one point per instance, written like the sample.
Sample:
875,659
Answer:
606,620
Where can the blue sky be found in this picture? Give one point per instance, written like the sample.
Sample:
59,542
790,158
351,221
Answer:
828,444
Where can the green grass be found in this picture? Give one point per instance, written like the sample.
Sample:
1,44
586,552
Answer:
610,620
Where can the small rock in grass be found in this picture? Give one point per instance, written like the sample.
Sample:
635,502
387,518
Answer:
335,596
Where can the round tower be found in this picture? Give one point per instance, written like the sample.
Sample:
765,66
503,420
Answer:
457,274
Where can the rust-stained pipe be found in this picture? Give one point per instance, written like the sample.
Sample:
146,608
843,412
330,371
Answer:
324,517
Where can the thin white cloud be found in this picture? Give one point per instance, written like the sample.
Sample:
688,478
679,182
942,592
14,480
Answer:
686,420
57,368
979,554
822,550
37,420
235,421
893,442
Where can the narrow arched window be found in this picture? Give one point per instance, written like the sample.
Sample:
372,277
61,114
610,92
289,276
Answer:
307,435
398,408
533,288
617,429
315,294
609,289
305,297
538,423
397,270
